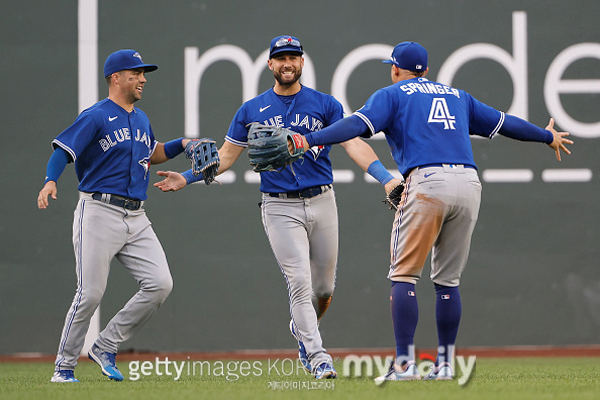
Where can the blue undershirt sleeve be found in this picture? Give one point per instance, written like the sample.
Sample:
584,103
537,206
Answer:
517,128
56,165
174,147
344,129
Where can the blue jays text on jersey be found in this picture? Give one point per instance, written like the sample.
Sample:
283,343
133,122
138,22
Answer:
111,149
120,135
308,112
310,123
437,128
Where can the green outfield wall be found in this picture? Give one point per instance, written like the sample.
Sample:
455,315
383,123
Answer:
533,277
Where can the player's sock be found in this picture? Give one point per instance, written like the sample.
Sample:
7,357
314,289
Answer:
448,310
405,315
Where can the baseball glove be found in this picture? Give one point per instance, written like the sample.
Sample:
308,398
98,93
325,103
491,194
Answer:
393,197
268,147
204,157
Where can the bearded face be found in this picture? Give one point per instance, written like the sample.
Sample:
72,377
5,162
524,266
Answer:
287,68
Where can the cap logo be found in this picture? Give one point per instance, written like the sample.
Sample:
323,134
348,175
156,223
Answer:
418,66
136,54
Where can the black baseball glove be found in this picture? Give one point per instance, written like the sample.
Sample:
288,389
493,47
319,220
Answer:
268,147
204,157
393,197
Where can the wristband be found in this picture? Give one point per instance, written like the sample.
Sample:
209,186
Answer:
173,147
190,178
378,171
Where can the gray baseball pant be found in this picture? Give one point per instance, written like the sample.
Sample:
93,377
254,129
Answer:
438,212
303,234
101,232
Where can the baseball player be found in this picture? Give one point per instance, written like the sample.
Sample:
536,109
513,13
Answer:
299,211
112,146
427,126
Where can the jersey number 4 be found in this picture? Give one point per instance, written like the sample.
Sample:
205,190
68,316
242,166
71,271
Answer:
440,114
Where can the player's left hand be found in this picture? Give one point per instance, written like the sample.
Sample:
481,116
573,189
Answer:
559,141
391,185
173,181
291,147
393,191
204,156
49,189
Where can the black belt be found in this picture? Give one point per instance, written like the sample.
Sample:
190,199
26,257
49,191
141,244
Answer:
119,201
302,194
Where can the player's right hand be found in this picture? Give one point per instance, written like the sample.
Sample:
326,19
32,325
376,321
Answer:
173,181
49,189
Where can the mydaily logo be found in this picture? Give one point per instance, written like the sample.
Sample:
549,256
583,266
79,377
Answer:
370,366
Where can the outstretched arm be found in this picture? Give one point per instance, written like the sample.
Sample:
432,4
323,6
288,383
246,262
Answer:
341,131
165,151
228,154
517,128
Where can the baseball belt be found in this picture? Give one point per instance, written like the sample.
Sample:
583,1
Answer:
119,201
303,193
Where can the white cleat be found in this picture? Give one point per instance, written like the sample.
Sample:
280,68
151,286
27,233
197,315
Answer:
442,372
64,376
410,373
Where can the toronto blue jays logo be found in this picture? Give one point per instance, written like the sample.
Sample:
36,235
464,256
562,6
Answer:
145,163
316,151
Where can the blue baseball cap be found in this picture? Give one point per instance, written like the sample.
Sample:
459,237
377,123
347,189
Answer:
125,59
283,43
409,55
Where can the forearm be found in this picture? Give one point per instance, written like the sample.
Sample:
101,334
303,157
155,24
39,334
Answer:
360,152
228,154
343,130
364,156
166,151
519,129
56,165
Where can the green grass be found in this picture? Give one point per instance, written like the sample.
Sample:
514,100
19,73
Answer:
502,378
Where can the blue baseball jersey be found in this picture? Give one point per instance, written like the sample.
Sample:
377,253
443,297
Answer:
436,129
309,111
111,149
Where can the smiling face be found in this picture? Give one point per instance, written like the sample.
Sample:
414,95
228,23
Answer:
126,87
287,69
132,83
